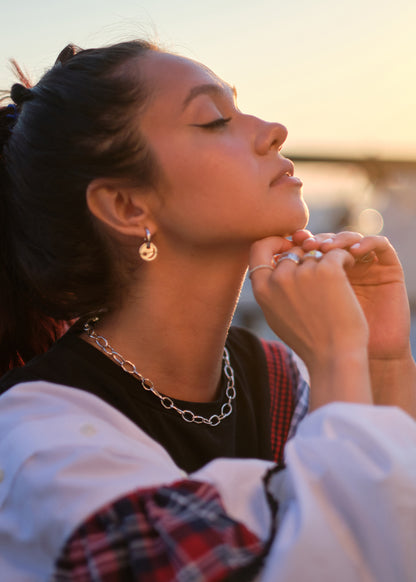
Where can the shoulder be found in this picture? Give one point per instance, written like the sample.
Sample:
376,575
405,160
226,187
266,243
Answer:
16,376
217,525
274,366
70,361
66,453
45,416
278,360
282,364
250,347
41,367
246,340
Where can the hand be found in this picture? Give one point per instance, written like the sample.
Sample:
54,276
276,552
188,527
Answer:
312,307
378,284
380,288
308,304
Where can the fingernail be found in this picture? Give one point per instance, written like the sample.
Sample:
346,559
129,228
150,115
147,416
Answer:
328,240
355,246
309,238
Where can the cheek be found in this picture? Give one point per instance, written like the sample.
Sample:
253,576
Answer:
210,175
206,187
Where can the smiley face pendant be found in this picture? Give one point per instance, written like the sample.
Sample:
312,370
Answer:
148,251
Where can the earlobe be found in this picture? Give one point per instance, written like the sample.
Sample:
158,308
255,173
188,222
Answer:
120,207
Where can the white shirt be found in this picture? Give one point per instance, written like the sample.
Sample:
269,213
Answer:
347,497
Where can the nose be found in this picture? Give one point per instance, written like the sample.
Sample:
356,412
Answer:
271,136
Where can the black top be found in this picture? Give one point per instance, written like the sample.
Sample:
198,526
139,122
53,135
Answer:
245,433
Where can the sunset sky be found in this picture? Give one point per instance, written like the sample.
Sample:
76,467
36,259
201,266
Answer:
340,75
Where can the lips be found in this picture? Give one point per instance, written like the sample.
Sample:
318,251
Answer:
286,171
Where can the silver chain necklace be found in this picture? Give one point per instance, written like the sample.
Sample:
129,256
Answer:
166,402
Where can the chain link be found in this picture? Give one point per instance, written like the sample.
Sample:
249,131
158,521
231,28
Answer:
166,401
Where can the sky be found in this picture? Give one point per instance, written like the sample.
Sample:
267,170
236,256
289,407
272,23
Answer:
340,75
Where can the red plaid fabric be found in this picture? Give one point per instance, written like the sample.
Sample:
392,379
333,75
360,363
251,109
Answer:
283,381
175,533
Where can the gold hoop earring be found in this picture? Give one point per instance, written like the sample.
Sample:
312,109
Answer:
148,249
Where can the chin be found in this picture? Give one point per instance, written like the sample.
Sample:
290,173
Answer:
305,221
305,213
300,221
296,219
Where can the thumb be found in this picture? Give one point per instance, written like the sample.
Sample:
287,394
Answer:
262,251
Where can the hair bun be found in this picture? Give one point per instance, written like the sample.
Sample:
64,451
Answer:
20,94
67,53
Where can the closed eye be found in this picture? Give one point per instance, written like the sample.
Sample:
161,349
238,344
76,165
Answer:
216,124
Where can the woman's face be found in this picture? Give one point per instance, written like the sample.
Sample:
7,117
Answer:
223,178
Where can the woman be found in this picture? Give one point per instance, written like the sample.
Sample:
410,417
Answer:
133,190
128,161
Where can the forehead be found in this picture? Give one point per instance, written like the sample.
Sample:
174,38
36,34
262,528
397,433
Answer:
176,79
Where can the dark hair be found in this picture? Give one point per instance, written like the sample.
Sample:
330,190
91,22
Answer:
73,126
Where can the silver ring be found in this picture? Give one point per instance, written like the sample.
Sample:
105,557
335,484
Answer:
259,267
313,255
288,256
368,258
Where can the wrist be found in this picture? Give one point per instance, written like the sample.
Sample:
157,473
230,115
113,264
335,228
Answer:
393,382
340,376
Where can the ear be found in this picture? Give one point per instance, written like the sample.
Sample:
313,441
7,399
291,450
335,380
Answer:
121,207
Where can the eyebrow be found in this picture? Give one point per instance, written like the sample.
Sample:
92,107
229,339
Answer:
208,89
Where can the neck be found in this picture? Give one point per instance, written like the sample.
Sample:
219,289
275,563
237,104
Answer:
174,324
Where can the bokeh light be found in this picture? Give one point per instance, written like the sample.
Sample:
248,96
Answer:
370,221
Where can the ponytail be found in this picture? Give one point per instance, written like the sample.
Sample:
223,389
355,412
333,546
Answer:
24,330
78,123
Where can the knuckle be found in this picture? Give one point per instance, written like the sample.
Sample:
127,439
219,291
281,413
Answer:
350,233
283,280
280,276
324,235
333,261
325,267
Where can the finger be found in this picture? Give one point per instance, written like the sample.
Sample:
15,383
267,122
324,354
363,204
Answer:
315,255
300,236
262,251
342,240
283,270
337,258
379,246
293,256
315,242
324,236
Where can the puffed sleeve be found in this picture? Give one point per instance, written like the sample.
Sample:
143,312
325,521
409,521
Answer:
346,511
347,498
84,490
87,496
177,532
